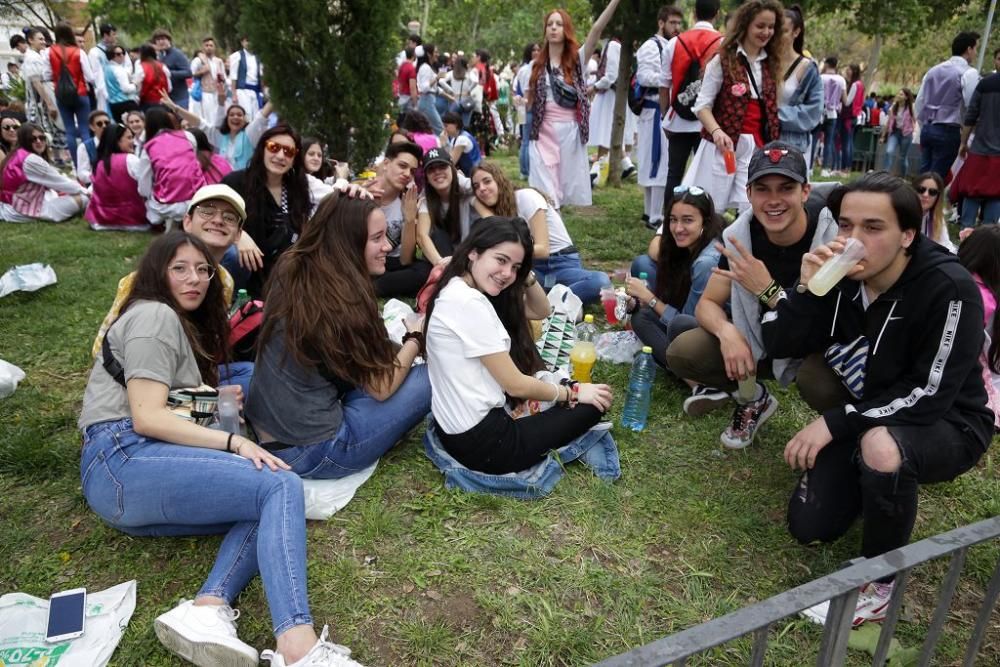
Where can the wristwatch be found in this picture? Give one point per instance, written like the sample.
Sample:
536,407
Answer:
652,303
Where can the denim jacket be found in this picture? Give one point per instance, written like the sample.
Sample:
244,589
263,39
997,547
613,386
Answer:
803,111
596,449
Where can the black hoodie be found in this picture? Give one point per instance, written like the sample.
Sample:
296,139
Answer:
925,334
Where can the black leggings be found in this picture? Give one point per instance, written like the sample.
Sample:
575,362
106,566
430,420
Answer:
499,444
402,279
840,487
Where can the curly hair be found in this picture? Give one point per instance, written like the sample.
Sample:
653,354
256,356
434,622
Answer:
740,25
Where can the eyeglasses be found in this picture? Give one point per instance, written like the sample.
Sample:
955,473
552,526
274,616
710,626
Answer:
204,272
209,213
36,138
274,147
102,123
693,190
10,127
933,192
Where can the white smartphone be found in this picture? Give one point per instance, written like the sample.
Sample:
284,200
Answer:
66,614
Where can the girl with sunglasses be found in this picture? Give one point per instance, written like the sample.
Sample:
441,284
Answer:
169,170
234,139
480,353
115,201
8,133
30,185
123,94
555,258
684,260
149,473
930,188
86,152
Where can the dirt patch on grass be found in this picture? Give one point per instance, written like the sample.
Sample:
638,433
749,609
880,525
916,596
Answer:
456,610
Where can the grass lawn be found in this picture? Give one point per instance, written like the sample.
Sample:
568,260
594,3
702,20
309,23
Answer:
412,574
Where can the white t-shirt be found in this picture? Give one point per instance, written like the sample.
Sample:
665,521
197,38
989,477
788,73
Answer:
528,203
426,79
463,328
461,141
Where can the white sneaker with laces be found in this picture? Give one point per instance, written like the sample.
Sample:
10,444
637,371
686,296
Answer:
873,605
747,420
323,654
204,635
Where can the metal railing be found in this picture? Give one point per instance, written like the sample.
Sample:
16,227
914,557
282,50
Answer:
841,588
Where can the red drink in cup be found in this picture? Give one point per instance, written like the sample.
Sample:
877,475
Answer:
609,300
730,158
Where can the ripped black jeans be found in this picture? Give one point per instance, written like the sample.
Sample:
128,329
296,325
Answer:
840,486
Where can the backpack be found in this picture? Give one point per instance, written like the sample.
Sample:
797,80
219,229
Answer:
66,93
244,329
690,85
637,93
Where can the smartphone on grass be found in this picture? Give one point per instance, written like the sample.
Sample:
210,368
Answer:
66,613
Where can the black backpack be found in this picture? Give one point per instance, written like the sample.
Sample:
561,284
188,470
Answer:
690,85
637,93
66,94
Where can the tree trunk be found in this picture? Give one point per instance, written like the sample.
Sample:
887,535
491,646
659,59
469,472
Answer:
873,57
426,17
621,108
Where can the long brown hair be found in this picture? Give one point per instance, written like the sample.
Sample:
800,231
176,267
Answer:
321,292
25,141
936,213
673,268
571,48
207,327
740,24
506,206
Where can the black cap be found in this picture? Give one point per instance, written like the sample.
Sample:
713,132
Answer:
107,29
778,157
436,156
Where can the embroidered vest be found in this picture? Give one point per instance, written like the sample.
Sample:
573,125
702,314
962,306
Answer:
177,174
116,200
26,197
730,109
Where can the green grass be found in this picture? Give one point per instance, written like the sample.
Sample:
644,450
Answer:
413,574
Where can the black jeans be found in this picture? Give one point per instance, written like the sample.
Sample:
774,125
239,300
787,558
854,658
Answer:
499,444
840,487
653,332
402,279
680,147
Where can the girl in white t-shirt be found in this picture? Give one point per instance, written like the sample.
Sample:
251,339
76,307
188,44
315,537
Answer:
556,259
480,352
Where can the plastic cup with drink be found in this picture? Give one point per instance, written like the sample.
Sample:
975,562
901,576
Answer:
835,268
609,299
730,159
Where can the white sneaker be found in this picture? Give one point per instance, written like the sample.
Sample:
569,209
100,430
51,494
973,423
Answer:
825,173
873,605
204,635
323,654
747,420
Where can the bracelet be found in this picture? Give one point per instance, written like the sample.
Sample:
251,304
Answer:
531,279
572,392
417,336
768,292
712,133
229,442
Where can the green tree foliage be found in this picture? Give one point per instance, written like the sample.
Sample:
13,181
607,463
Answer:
141,17
329,67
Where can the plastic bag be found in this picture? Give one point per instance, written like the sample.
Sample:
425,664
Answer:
22,629
393,313
10,375
326,497
618,347
564,301
27,278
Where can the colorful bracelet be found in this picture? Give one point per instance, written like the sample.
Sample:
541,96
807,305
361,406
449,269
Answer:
768,293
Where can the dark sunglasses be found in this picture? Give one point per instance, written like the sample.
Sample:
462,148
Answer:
933,192
101,123
10,127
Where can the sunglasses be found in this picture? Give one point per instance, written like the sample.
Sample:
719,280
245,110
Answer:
274,147
692,190
102,123
39,138
9,127
933,192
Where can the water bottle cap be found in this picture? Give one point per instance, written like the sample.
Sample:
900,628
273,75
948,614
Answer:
242,292
643,275
647,349
589,319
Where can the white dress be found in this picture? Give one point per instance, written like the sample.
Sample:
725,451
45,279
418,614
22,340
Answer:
602,108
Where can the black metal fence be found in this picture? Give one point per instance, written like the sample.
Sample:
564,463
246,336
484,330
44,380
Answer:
841,588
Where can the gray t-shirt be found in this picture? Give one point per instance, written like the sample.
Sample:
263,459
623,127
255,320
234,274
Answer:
149,342
293,404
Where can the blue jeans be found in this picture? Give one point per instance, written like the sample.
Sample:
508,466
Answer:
455,107
939,147
427,105
523,154
75,121
846,143
370,429
145,487
238,373
569,271
644,264
830,127
971,207
897,149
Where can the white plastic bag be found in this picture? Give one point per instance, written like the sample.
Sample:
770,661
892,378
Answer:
326,497
27,278
564,301
618,347
393,313
22,629
10,375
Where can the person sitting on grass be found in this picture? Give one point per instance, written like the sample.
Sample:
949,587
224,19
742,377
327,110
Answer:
331,393
461,144
761,255
115,202
555,258
169,171
480,351
31,188
444,209
685,259
903,331
86,152
216,219
148,472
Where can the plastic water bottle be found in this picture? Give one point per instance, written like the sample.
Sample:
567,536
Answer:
644,277
229,410
640,385
583,356
242,298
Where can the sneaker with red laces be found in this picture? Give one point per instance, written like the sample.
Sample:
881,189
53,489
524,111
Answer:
873,602
747,420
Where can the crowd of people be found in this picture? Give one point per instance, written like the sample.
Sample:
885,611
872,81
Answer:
898,358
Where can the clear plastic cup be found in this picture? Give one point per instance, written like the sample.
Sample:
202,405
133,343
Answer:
835,268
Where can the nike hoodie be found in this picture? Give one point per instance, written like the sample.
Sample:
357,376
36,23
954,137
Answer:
919,342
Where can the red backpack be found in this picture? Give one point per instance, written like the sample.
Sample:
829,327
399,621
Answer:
244,328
